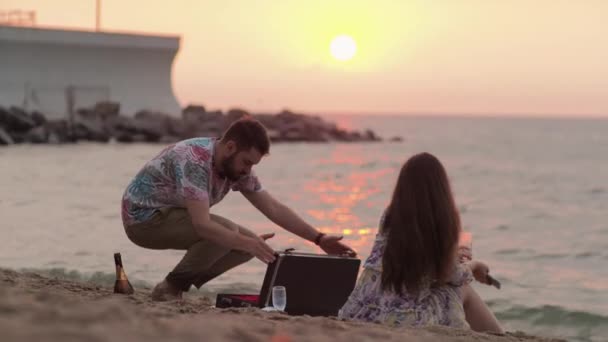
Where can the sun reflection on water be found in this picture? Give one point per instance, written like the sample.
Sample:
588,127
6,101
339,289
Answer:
343,200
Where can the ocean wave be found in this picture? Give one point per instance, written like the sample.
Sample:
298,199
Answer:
106,279
549,256
586,255
552,315
564,323
97,278
513,251
597,190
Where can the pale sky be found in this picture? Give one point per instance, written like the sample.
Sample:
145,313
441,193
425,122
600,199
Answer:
442,56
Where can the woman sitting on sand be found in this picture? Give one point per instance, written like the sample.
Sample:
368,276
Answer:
412,276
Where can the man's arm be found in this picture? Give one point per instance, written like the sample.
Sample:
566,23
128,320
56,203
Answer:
284,217
215,232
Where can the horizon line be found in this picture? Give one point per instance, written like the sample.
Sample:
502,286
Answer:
470,114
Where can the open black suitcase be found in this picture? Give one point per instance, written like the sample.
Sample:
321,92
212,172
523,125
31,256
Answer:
316,285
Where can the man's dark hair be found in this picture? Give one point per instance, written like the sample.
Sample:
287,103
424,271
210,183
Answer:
247,133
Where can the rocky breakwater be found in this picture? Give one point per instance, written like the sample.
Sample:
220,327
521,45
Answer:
104,122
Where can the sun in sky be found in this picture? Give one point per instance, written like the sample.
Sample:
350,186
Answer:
343,47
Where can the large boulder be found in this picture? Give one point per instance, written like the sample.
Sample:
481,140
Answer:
95,123
158,126
16,120
121,124
153,125
193,110
5,138
39,118
89,131
268,120
196,122
58,131
100,112
299,127
125,137
233,115
107,109
370,135
38,135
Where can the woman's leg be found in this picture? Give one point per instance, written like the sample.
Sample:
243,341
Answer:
477,313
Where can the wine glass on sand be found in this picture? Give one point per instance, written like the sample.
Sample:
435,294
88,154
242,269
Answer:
279,298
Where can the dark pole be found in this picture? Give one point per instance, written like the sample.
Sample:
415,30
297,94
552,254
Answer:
98,15
69,97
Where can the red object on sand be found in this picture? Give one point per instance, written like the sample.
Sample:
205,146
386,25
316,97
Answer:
280,338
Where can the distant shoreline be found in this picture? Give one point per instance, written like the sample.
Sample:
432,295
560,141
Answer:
431,115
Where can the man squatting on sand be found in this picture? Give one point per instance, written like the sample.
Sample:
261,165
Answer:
167,206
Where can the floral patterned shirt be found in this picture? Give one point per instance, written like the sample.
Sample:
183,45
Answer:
440,305
181,171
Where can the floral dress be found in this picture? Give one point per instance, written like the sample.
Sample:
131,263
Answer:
440,305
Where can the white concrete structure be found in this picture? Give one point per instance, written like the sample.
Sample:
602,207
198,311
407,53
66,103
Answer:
39,68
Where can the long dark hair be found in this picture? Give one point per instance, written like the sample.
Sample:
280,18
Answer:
422,227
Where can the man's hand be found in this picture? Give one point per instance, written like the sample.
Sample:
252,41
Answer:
331,244
288,220
266,236
257,247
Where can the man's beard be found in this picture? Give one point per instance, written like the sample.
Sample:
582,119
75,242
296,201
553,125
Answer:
228,169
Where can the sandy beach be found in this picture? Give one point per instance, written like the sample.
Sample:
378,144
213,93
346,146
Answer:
34,308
